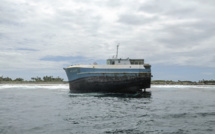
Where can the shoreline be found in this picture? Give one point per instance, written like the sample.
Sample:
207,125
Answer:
56,83
31,83
182,84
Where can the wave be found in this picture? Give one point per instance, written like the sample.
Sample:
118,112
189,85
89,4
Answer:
66,86
184,86
34,86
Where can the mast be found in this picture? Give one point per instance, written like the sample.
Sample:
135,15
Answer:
117,50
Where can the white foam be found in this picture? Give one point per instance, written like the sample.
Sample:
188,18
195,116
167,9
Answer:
34,86
184,86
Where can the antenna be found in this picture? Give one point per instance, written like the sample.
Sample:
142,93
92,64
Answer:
117,50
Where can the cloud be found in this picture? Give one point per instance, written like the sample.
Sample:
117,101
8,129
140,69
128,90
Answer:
26,49
133,19
44,35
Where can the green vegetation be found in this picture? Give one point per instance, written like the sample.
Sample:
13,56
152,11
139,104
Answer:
5,79
45,79
169,82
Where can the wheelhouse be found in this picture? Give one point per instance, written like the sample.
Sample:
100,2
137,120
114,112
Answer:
125,61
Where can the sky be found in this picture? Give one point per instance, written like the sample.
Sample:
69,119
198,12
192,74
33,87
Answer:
41,37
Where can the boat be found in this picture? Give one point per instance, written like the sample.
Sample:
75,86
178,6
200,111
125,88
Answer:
117,76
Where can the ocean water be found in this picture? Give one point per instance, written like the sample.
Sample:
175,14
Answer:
52,109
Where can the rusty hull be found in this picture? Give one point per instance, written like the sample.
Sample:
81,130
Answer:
111,84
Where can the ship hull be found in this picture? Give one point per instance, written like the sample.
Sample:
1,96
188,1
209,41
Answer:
107,84
108,78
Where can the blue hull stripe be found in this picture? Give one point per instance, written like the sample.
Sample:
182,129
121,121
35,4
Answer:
76,73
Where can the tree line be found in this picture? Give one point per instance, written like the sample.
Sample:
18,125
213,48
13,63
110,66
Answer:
35,79
200,82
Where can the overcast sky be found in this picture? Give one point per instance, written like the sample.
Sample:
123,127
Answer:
40,37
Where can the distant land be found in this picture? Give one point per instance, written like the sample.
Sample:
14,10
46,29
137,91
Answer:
34,80
58,80
170,82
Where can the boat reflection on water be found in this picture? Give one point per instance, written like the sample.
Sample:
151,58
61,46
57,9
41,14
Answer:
146,94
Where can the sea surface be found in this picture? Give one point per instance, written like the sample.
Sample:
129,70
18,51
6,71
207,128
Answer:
52,109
